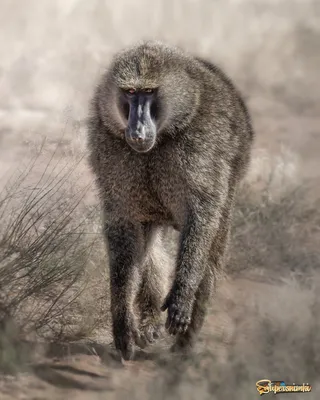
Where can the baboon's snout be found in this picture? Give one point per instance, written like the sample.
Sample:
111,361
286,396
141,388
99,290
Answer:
141,129
138,133
141,139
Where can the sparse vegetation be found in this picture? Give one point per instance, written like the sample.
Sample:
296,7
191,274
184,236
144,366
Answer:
277,236
48,246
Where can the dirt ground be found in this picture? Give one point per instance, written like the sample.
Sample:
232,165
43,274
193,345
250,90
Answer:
228,351
91,370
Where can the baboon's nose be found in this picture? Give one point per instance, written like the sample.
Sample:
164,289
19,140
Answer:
138,134
138,137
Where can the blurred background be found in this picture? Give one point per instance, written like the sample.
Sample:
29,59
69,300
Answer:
265,322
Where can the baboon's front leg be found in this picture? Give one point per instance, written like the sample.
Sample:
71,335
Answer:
126,249
186,340
197,237
217,255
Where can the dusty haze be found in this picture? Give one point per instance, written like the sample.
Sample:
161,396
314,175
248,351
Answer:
51,54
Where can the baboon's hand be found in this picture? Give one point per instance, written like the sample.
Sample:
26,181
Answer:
179,311
126,335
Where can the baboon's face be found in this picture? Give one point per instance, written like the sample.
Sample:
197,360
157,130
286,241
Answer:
149,94
139,108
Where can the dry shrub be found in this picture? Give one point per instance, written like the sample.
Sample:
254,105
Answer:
49,242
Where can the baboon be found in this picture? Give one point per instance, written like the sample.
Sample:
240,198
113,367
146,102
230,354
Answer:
169,138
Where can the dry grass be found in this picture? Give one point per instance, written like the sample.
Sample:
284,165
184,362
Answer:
277,236
50,250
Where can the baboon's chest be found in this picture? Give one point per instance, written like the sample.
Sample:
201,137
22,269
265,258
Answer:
142,202
147,191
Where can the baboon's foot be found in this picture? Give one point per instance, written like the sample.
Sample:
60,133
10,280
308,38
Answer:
151,328
126,336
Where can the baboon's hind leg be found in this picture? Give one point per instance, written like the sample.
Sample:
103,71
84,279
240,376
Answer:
151,291
149,303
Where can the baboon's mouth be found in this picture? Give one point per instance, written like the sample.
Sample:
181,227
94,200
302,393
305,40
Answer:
140,146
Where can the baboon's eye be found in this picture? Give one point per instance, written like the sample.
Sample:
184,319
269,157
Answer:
148,90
